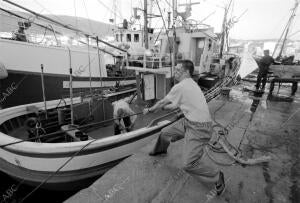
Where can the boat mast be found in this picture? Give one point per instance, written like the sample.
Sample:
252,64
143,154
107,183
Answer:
71,86
286,30
146,24
115,13
174,5
43,90
224,25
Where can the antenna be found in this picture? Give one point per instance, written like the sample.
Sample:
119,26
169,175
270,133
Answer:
188,8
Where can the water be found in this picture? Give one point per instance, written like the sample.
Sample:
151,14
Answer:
11,194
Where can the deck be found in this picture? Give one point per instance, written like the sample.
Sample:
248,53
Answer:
257,125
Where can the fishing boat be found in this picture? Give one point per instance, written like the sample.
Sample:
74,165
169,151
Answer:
21,60
94,151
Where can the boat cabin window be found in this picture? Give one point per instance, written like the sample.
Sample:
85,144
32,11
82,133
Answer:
121,37
128,37
117,37
136,37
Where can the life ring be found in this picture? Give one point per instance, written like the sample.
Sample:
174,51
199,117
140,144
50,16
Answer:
3,71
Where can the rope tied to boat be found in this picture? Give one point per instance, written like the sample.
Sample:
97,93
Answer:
212,93
209,96
54,173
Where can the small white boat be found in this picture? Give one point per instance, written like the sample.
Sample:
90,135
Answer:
36,161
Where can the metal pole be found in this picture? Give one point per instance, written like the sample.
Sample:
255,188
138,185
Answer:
146,25
223,32
43,89
169,19
71,88
103,107
174,38
89,58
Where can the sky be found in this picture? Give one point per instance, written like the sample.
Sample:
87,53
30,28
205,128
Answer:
259,19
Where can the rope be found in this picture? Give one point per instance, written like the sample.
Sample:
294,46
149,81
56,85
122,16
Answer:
87,14
43,36
76,18
50,176
43,7
114,12
210,96
216,161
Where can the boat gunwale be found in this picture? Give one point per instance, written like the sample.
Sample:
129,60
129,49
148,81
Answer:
60,149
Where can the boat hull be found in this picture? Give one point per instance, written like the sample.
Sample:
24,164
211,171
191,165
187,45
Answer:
25,87
66,181
22,61
34,168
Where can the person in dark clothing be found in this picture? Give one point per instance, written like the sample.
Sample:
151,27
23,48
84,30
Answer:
20,34
263,64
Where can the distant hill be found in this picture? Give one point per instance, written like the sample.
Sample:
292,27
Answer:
9,23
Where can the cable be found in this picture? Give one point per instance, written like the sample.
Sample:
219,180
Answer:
114,12
48,11
43,37
170,6
58,132
167,31
74,4
291,116
50,176
87,14
208,97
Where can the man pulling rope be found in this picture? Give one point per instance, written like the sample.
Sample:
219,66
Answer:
195,127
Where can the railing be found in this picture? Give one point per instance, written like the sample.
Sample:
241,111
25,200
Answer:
154,61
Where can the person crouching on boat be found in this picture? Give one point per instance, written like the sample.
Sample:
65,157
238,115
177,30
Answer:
123,117
195,127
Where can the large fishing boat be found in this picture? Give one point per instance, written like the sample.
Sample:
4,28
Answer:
21,58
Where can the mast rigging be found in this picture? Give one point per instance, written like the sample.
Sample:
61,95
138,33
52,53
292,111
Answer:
286,30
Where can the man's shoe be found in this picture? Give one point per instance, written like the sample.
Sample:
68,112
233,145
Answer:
220,184
157,153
